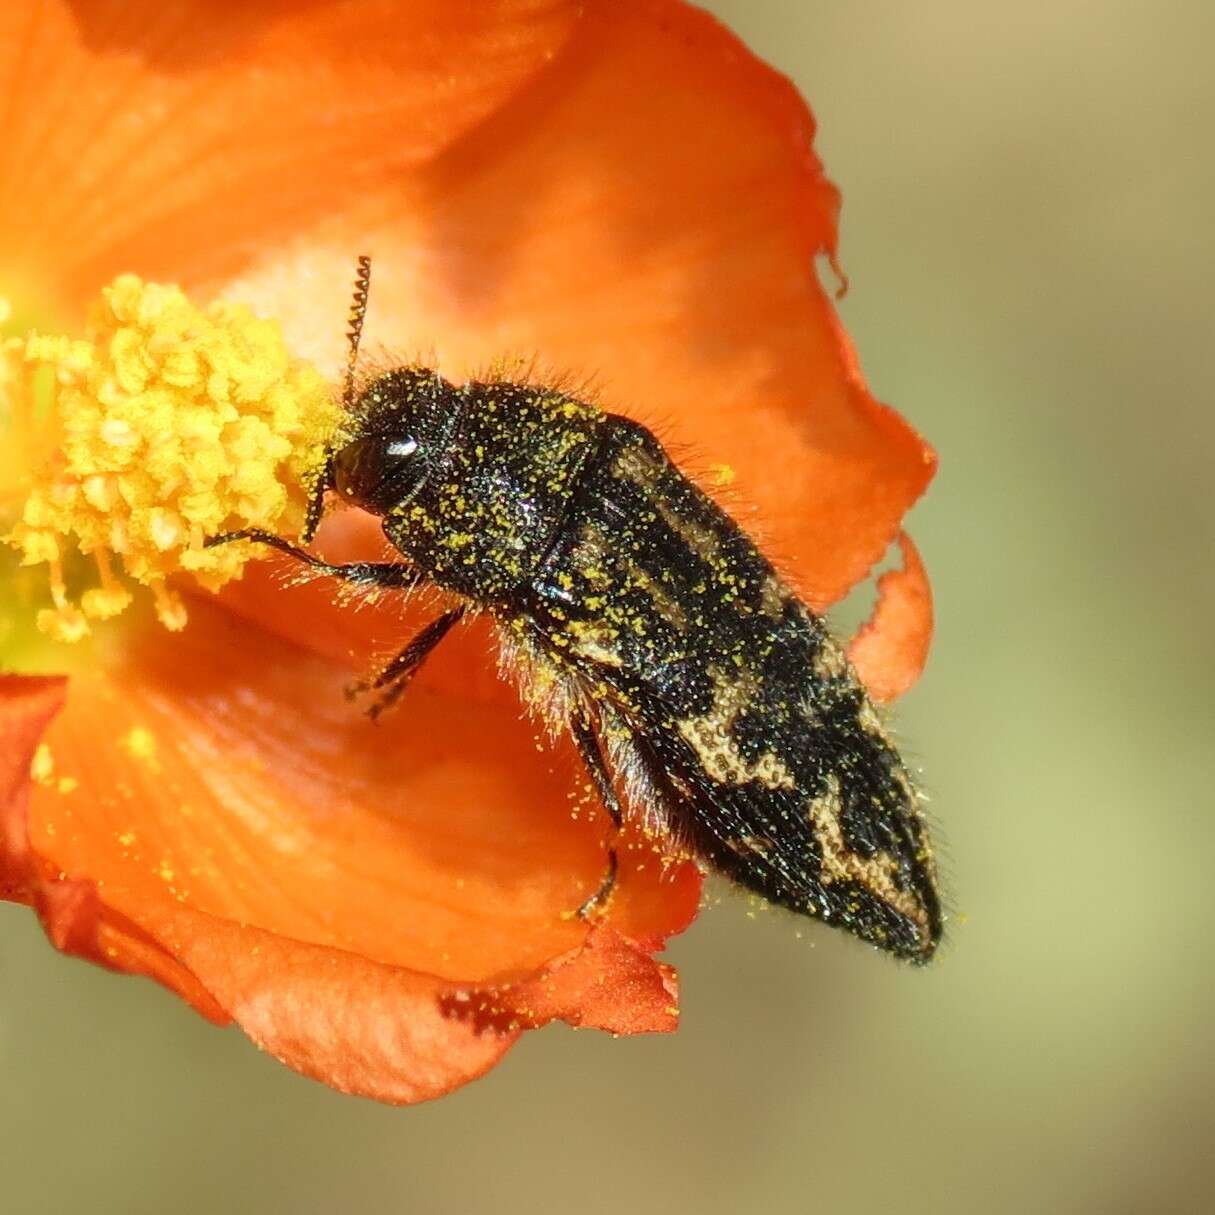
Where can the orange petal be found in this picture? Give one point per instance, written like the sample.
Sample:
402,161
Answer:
357,1025
890,649
270,850
179,140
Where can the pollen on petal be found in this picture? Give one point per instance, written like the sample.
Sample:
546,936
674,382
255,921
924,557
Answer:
141,744
165,424
42,766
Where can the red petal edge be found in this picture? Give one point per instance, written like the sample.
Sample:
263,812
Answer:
27,707
609,982
890,649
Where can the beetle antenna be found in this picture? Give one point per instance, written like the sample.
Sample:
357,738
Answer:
358,310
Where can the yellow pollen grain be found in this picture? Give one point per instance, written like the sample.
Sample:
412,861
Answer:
165,424
140,744
42,765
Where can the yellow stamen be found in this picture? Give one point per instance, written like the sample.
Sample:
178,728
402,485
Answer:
167,424
110,598
63,622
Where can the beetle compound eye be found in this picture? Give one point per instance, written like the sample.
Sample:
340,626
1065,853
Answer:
378,471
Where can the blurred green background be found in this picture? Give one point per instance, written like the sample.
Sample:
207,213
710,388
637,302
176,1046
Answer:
1029,192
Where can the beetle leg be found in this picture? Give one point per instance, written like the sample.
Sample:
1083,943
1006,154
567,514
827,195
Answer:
396,676
390,574
592,758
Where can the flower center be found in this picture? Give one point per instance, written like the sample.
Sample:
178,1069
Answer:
164,425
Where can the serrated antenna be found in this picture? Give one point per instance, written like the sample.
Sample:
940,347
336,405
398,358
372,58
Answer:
358,310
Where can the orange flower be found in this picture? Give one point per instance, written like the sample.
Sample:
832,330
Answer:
617,187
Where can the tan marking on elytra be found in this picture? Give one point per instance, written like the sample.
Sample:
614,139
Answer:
750,845
703,541
667,607
646,469
840,864
830,662
869,721
642,467
711,736
590,554
773,596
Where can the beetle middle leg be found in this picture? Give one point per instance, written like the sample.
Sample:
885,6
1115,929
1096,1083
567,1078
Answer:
396,676
592,758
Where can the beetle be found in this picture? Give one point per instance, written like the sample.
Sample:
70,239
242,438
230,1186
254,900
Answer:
702,694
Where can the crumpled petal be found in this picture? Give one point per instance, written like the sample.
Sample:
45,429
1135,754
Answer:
890,649
606,983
